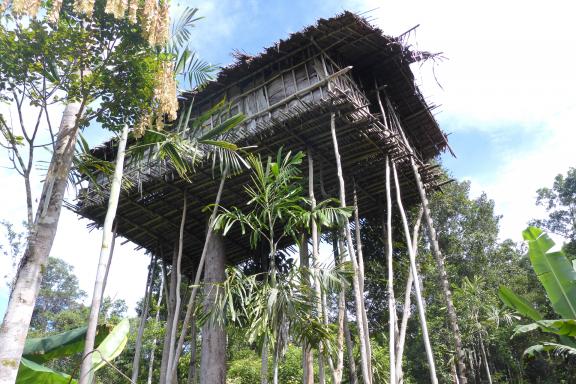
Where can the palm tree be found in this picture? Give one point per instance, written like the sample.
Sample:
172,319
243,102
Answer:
277,209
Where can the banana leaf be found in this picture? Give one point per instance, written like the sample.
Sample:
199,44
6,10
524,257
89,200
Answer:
42,349
111,346
554,271
30,372
518,303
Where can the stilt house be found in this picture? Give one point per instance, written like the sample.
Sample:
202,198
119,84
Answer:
341,66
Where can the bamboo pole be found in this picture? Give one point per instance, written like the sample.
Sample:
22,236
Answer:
406,309
419,301
364,351
390,263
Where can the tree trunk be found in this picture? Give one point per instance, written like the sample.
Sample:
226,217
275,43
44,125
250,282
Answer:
419,301
116,185
390,263
199,269
170,305
263,362
172,357
192,366
110,256
321,306
307,355
143,317
483,350
406,309
213,360
445,285
364,351
23,296
339,369
349,346
361,275
157,320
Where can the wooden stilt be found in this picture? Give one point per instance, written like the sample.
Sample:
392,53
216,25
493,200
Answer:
419,301
406,309
390,263
364,351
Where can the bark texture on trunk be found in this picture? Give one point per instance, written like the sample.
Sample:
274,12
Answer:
452,318
213,360
85,369
192,371
157,319
27,284
170,305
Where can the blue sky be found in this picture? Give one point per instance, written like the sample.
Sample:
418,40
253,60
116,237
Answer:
506,99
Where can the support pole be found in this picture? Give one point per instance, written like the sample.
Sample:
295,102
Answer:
213,360
452,318
390,262
406,309
364,351
307,356
419,301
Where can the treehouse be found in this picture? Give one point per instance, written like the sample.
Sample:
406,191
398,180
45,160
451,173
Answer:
342,67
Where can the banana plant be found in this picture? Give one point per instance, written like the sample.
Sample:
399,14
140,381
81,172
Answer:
110,343
558,277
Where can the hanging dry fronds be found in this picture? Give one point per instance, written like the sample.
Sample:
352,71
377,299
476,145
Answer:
148,21
133,11
84,6
26,7
117,8
54,12
159,122
162,23
3,6
165,92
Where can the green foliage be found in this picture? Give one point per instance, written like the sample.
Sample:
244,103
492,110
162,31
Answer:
245,370
560,203
111,342
558,278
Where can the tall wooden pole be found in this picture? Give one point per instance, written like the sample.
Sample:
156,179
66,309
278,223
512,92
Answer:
406,309
419,301
364,351
390,263
452,318
307,358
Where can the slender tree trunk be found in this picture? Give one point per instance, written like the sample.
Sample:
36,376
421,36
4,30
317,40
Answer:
110,256
170,305
263,362
23,296
347,337
213,361
276,358
361,275
172,357
444,284
85,368
390,262
406,309
483,350
192,379
143,318
157,320
199,270
315,256
307,355
339,369
364,351
419,301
